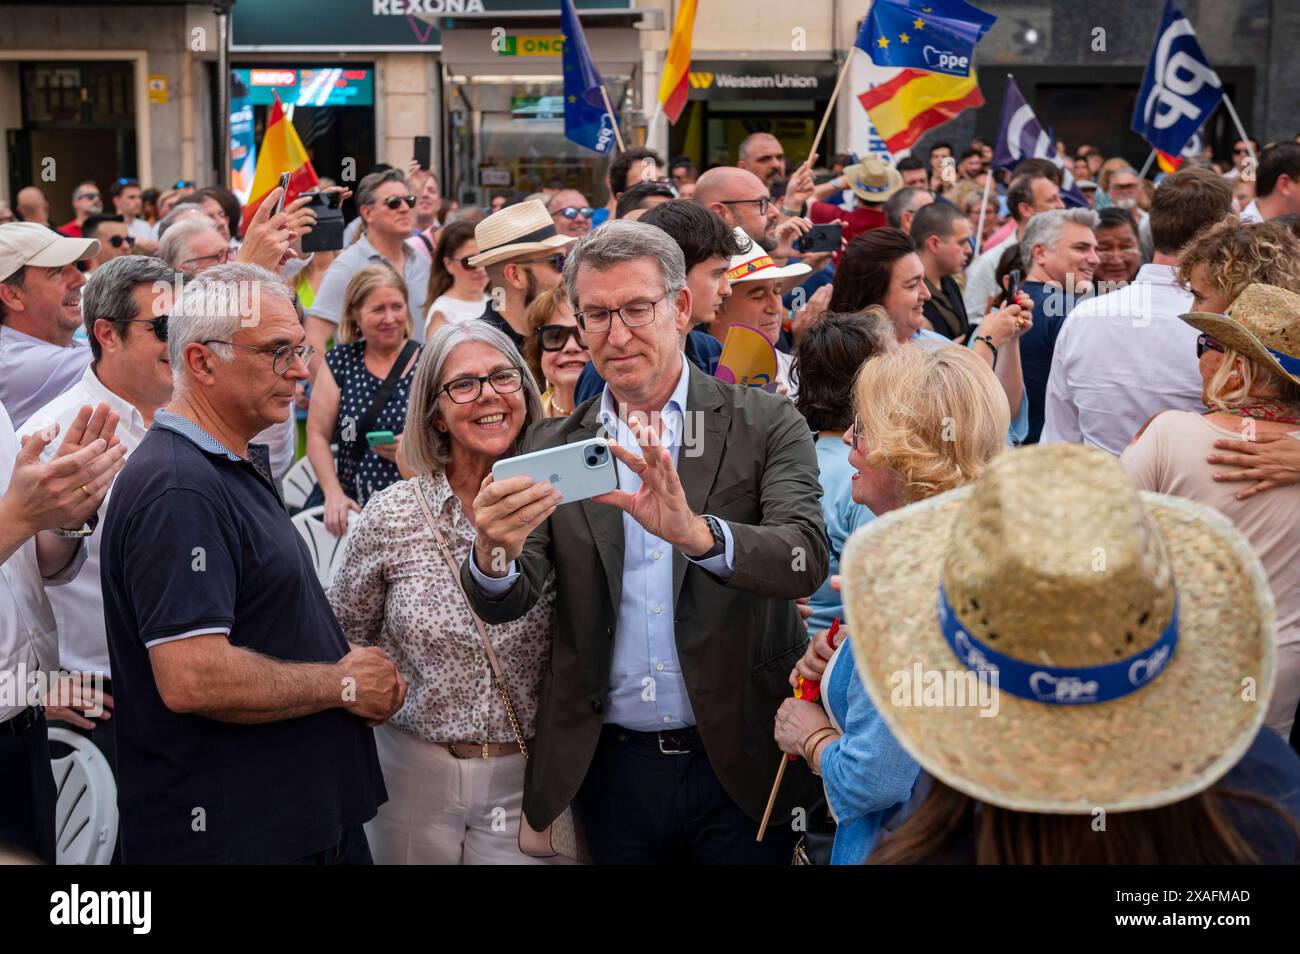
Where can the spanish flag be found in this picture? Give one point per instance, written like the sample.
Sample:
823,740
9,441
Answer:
673,86
281,152
1168,164
915,101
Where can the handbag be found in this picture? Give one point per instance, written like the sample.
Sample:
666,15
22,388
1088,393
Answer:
351,453
814,846
564,836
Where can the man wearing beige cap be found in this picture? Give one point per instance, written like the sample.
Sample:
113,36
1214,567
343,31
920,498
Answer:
523,253
40,311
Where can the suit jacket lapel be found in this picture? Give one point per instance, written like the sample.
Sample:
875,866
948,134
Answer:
700,454
606,521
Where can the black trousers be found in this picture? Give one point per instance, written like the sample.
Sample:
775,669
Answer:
27,796
640,806
352,849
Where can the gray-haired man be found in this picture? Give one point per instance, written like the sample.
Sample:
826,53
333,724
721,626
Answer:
242,714
1059,252
675,594
387,209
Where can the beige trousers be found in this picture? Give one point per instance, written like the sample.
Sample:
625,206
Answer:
442,810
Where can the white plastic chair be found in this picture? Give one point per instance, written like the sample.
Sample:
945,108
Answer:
298,482
325,548
86,813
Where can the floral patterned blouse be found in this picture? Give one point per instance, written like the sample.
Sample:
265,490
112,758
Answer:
394,590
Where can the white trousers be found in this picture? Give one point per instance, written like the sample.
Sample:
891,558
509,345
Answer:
442,810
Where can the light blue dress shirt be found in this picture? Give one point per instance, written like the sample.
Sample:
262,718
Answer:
647,691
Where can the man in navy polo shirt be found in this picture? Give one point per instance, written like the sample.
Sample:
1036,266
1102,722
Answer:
243,715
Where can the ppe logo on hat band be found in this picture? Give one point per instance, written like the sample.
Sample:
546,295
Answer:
1059,685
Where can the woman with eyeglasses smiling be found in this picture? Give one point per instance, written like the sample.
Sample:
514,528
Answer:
359,397
455,289
555,351
451,757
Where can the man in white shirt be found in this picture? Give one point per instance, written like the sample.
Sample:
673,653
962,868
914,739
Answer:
36,496
1277,184
40,311
128,202
126,302
1124,357
1027,195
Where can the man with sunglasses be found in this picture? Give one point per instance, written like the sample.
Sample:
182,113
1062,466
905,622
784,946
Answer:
571,213
126,323
114,240
128,202
40,312
387,208
237,691
86,201
523,253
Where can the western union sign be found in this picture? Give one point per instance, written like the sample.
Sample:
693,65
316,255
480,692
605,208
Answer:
532,45
747,79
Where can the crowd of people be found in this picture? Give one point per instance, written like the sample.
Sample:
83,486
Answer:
495,674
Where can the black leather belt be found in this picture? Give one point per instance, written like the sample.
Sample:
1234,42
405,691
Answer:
21,722
669,742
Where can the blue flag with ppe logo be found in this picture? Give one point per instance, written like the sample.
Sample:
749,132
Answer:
934,35
1180,89
586,120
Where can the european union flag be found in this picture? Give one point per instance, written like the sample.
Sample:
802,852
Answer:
934,35
586,120
1180,89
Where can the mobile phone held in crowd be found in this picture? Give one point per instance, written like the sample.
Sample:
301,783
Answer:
284,190
423,152
1013,287
578,471
821,238
327,234
380,438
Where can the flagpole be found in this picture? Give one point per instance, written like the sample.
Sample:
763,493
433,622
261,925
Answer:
835,94
618,136
984,203
1241,130
1146,166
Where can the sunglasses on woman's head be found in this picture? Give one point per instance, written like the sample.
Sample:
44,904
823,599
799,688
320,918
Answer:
556,337
394,202
1205,343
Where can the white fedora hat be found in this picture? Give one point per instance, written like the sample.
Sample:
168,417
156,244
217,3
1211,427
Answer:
519,230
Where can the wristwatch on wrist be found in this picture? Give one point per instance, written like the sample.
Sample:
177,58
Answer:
719,539
86,530
792,212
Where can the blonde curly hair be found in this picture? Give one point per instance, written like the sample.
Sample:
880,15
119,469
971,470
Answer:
1236,255
934,416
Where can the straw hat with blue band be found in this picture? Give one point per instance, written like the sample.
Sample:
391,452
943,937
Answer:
1129,637
517,231
1262,323
873,179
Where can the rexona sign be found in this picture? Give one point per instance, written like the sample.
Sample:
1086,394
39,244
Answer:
799,80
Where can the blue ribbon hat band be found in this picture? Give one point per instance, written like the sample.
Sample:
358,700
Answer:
1059,685
1290,365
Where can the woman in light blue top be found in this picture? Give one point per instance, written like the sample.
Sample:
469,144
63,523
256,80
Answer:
928,420
826,362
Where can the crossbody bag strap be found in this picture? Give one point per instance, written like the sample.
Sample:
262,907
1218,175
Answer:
366,423
497,678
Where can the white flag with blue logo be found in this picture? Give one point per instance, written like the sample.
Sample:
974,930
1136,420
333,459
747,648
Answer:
1180,89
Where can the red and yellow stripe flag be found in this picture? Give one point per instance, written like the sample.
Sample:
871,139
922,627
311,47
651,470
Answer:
673,86
915,101
282,151
1168,164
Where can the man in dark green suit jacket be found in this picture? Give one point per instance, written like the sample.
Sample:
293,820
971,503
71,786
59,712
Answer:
657,710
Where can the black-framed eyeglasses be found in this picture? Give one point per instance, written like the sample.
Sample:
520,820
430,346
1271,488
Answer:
573,212
467,390
1205,343
394,202
88,195
763,203
117,241
216,258
281,357
556,337
634,314
158,324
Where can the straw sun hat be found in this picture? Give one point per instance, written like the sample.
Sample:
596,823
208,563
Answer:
873,179
516,231
1123,626
1262,323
